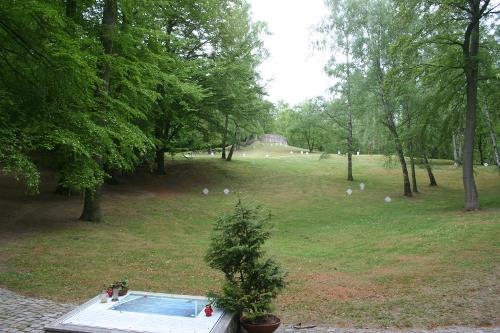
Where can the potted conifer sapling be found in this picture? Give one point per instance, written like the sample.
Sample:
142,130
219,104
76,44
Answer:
252,281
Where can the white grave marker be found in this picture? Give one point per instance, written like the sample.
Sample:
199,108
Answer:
387,199
307,153
362,186
349,191
485,164
338,152
226,191
205,191
357,153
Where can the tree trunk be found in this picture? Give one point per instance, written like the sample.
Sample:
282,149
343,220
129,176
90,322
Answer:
402,161
492,134
349,113
412,167
471,49
114,177
456,150
92,206
92,198
349,149
480,148
235,139
406,180
160,161
230,155
389,115
432,180
224,137
410,148
64,190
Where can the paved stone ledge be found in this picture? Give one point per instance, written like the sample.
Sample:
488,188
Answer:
21,314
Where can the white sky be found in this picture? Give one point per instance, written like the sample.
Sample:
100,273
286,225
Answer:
294,68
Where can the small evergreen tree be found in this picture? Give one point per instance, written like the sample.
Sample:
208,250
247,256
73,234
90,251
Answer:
251,280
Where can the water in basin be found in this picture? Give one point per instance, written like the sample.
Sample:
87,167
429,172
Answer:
169,306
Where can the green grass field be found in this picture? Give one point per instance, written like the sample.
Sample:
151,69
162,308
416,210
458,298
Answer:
351,260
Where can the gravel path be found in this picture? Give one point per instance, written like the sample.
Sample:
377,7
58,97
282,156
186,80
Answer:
25,314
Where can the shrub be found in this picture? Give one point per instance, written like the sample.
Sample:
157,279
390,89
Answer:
251,280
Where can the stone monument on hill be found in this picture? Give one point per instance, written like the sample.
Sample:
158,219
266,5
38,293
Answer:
269,138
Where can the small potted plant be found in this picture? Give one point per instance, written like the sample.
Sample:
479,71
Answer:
121,285
251,280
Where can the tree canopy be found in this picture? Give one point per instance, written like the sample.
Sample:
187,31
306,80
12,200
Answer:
98,87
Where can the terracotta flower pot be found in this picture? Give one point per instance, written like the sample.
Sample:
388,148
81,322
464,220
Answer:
270,324
123,291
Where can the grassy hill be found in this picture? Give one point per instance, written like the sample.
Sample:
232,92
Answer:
352,260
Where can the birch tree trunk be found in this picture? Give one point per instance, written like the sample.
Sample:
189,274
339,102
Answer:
432,179
224,137
492,134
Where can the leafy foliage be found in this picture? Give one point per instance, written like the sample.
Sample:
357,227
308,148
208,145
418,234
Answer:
98,86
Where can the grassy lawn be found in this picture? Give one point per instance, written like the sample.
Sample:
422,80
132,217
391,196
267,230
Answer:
352,260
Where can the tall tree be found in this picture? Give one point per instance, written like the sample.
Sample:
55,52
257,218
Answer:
380,33
343,34
92,196
455,27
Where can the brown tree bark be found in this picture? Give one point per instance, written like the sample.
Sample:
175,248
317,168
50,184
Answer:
470,53
114,177
92,206
224,137
349,147
160,161
349,115
480,144
160,132
402,161
432,179
230,155
92,198
235,141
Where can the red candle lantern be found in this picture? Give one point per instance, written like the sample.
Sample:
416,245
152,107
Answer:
208,310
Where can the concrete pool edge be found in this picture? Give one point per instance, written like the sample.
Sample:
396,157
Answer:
227,323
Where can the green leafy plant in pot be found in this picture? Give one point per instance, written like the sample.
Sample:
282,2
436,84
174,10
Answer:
251,280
